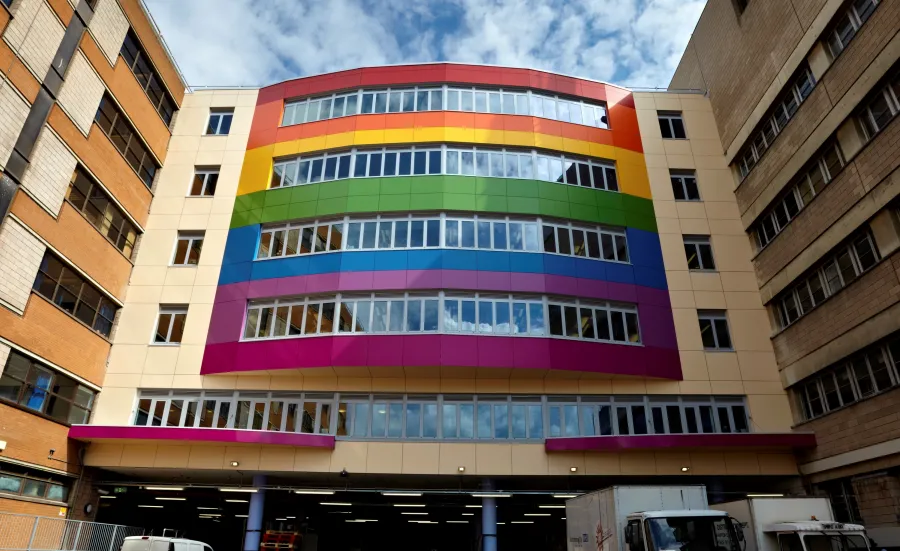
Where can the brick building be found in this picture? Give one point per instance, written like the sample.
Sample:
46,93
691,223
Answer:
810,132
87,96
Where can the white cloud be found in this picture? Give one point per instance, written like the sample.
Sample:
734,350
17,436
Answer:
247,42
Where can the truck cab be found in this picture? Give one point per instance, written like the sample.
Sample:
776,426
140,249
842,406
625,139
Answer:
682,530
816,535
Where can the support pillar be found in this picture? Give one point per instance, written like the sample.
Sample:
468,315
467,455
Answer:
255,515
489,520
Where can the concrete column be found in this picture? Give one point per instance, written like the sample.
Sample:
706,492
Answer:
489,520
255,515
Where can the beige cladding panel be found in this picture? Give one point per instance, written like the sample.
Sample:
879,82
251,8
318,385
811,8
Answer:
13,112
34,33
109,26
20,257
48,174
81,92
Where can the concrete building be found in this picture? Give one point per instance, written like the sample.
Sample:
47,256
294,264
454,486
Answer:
87,94
809,132
429,285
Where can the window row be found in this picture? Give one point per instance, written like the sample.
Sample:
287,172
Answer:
840,268
865,374
66,288
35,386
798,90
813,178
431,160
101,211
881,107
27,486
142,67
848,24
125,138
444,231
443,312
445,98
450,417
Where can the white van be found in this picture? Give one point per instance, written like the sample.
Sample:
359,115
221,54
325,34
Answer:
162,543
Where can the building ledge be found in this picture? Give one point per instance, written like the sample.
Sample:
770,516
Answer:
781,440
94,433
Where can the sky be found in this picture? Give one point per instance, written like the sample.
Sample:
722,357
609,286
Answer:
635,43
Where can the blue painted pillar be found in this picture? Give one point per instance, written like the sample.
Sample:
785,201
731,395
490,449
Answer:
255,515
489,520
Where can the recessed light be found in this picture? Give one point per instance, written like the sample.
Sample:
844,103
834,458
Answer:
336,503
235,463
236,501
537,514
423,521
409,505
501,523
247,490
551,506
240,516
468,514
315,492
165,488
473,506
210,515
361,520
402,494
280,519
522,522
573,469
290,517
172,498
563,518
151,506
209,508
491,495
765,495
685,469
457,522
107,497
461,469
413,513
565,496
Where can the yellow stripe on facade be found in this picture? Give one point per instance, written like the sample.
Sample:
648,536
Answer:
257,168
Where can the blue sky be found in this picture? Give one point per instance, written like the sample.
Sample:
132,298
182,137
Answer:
256,43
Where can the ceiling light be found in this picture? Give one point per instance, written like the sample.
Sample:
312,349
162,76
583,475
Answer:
165,488
573,469
235,501
413,513
685,469
337,503
361,520
565,496
240,516
461,469
457,522
473,506
151,506
537,514
247,490
235,463
501,523
409,505
172,498
209,508
491,495
765,495
402,494
107,497
290,517
315,492
563,518
423,521
277,519
339,512
468,514
210,515
551,506
522,522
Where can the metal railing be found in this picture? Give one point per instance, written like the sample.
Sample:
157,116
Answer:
31,533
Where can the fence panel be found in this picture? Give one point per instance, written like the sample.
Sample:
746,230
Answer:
30,533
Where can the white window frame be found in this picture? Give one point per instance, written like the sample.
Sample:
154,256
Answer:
191,238
682,177
173,311
221,113
668,117
206,174
712,316
696,242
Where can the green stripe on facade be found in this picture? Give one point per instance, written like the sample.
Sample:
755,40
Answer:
443,192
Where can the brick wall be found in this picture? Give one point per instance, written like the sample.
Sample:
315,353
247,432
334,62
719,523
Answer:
22,507
49,172
30,438
109,27
35,33
865,423
13,111
20,256
875,291
81,92
879,500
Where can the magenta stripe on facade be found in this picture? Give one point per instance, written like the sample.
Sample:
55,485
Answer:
227,436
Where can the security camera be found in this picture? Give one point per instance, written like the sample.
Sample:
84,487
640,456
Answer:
344,473
52,451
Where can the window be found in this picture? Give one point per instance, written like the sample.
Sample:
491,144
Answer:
101,211
147,76
124,137
187,249
170,325
452,313
800,87
22,484
847,25
698,252
443,416
843,500
839,269
204,182
219,122
714,330
684,185
66,288
508,102
671,125
429,160
38,387
811,180
870,371
881,108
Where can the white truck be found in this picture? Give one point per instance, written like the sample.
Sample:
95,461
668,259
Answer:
678,518
794,524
